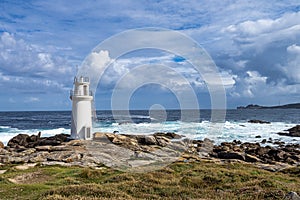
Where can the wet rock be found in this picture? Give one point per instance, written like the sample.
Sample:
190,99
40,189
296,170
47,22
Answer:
237,142
257,121
258,136
292,132
296,157
26,141
60,137
231,155
294,129
47,142
19,140
169,135
261,151
290,161
279,143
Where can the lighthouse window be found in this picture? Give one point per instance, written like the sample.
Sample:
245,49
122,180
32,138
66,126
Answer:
85,90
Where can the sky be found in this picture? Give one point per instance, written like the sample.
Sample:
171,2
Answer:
255,46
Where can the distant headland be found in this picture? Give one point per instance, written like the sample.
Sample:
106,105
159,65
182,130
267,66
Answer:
286,106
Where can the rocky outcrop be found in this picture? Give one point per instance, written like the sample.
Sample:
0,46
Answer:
47,151
292,132
1,145
115,150
257,121
254,152
138,142
25,141
125,151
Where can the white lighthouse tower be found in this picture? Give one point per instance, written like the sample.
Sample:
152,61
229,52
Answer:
82,98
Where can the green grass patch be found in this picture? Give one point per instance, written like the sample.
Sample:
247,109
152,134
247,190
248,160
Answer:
206,180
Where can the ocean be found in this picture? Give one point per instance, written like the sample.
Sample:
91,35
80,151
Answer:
196,124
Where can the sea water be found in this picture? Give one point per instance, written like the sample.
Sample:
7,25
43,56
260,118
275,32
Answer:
196,124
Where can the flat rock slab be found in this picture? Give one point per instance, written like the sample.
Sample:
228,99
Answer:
124,159
25,166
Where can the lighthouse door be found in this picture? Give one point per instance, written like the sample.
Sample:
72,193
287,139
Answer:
88,133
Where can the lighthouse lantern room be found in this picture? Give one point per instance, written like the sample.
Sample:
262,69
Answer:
82,98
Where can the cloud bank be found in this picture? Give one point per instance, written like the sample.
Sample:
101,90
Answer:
255,45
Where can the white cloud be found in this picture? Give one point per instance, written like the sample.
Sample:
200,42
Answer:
250,85
252,42
262,32
22,63
255,86
294,49
94,66
292,67
31,99
162,69
265,26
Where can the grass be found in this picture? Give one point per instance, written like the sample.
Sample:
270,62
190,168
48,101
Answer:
193,180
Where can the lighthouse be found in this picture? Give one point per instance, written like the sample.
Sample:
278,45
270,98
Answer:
82,101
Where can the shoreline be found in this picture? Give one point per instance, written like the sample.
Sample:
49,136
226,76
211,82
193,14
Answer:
58,168
244,131
58,149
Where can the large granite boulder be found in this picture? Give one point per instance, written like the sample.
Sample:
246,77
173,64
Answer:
19,140
136,142
231,155
150,140
24,140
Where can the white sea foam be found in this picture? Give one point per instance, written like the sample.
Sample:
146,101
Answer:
230,131
246,132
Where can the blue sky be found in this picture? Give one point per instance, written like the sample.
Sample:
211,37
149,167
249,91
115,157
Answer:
254,44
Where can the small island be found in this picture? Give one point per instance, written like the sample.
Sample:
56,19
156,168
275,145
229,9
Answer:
286,106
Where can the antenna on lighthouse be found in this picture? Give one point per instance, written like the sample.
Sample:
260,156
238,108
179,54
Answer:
82,98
